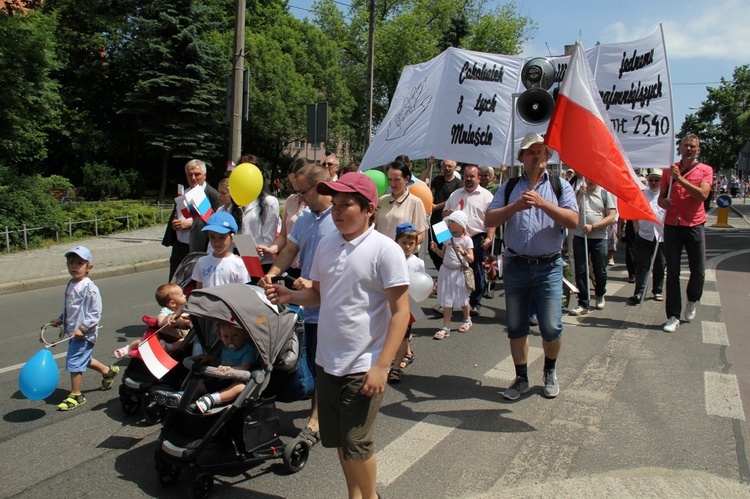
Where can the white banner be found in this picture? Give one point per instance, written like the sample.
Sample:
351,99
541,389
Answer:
458,105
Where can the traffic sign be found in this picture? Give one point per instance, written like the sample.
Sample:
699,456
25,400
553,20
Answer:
723,201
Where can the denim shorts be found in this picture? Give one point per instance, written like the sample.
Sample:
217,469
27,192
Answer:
542,284
347,418
80,353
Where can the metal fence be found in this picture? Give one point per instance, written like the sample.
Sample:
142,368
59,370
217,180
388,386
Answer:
131,222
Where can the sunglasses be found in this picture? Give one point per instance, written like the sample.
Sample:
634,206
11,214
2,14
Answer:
329,163
654,180
302,193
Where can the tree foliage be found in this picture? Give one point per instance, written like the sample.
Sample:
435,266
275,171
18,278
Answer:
130,89
723,120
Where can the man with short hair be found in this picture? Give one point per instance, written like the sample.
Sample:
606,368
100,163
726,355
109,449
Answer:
185,235
487,178
442,186
597,213
683,193
332,163
473,200
535,222
309,229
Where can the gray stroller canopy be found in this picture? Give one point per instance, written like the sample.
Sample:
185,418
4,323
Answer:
269,325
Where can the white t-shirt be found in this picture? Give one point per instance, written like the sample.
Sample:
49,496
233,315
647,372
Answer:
415,264
474,204
354,309
211,271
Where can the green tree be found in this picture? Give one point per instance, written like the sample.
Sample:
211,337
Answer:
723,120
31,105
177,103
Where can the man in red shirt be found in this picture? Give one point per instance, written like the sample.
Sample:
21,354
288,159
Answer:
684,221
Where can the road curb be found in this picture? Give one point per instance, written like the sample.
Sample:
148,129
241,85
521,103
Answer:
11,287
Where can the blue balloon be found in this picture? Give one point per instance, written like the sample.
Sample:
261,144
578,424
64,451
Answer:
39,377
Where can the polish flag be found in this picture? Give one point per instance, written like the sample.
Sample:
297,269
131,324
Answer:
245,244
183,206
415,311
579,132
155,357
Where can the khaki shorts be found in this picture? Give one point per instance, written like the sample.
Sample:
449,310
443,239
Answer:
347,418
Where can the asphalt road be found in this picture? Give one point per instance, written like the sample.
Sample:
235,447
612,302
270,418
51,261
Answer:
637,415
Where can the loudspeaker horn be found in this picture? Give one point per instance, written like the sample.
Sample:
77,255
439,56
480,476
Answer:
538,72
535,106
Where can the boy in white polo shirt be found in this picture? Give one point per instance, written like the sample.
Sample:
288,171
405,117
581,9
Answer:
360,280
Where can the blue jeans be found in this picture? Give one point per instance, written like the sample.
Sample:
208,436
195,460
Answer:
694,241
541,284
598,251
645,251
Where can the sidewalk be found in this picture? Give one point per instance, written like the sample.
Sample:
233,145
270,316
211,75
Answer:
141,250
115,254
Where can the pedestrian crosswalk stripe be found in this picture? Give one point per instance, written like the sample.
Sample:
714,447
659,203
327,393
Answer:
714,333
506,370
723,396
398,456
710,275
711,298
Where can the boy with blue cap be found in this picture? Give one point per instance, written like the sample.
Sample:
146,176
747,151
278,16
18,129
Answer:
80,319
223,266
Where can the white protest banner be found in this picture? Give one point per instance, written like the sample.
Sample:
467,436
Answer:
458,105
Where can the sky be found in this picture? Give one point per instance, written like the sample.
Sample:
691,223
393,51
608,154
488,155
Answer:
705,41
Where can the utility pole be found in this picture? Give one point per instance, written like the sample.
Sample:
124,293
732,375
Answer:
370,73
235,120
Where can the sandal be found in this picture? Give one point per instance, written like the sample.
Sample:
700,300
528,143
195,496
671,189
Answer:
72,402
394,375
310,436
443,333
464,328
408,359
109,378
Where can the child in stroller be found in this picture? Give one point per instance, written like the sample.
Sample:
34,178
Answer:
138,383
229,439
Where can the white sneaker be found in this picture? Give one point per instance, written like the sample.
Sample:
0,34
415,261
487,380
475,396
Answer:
690,311
671,326
600,302
579,310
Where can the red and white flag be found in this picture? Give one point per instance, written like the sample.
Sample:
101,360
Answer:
245,244
415,311
199,203
579,132
155,357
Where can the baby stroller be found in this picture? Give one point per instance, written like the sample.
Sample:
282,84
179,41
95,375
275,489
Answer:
229,439
138,384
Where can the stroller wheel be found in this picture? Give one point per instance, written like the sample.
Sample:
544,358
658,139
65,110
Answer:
201,487
168,473
295,455
131,404
153,412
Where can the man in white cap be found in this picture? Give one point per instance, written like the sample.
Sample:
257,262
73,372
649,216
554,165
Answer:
649,238
535,219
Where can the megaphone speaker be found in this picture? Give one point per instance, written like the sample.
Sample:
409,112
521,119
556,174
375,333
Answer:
535,106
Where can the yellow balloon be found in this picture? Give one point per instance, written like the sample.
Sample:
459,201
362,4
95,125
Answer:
245,183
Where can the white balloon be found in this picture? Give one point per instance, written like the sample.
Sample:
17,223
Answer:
420,286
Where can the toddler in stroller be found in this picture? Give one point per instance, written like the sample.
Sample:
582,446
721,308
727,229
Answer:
229,439
138,383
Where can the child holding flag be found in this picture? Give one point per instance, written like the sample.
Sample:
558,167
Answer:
173,327
457,252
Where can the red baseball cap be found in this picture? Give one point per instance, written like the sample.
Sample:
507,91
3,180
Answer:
351,182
